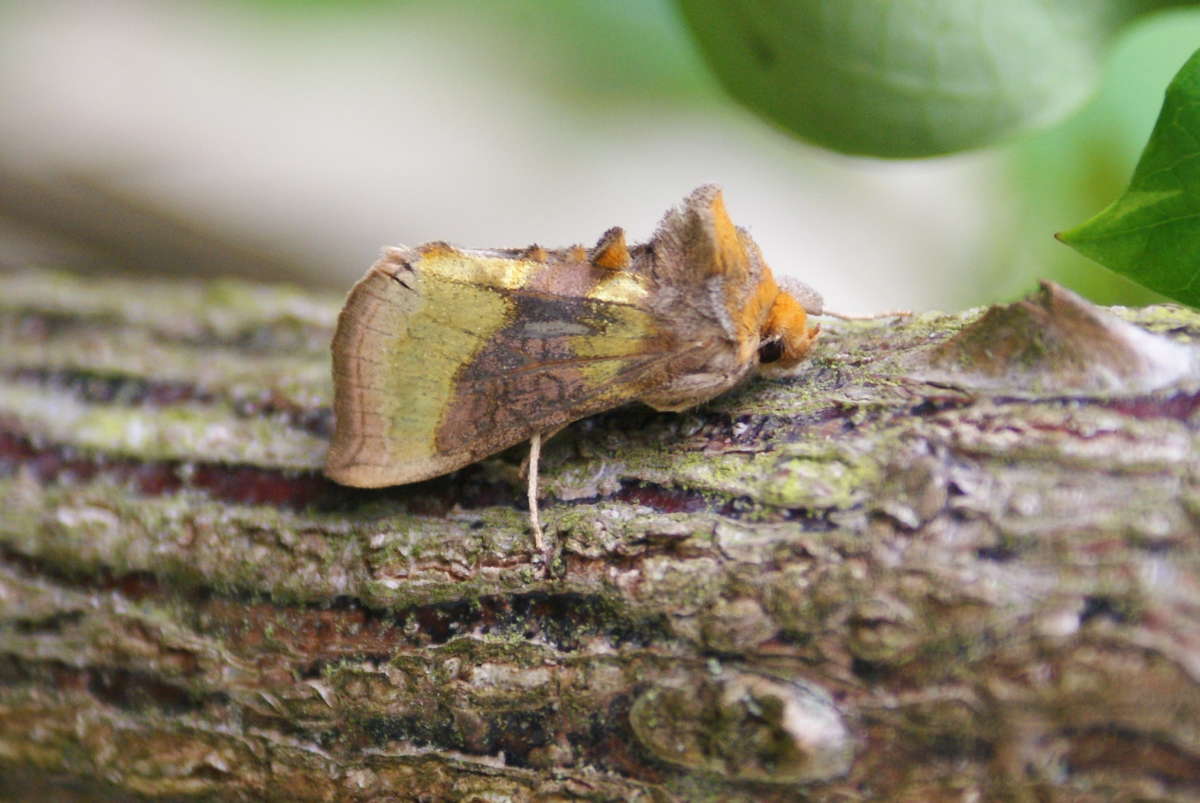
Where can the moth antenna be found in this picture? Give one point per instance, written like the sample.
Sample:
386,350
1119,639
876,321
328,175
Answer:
610,251
809,298
814,304
900,313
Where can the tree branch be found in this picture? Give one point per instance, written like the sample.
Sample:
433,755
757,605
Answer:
955,555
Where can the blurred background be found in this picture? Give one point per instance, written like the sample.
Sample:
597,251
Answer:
290,139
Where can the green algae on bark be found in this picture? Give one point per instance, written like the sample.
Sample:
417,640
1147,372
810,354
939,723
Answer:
878,577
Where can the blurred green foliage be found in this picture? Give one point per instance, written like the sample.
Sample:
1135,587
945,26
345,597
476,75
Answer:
630,54
1152,232
1070,172
639,56
582,50
907,78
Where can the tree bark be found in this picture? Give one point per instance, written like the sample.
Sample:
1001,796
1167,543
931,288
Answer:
953,558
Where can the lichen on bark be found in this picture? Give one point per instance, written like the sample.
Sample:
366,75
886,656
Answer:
954,555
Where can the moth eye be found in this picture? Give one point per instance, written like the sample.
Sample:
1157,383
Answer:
770,351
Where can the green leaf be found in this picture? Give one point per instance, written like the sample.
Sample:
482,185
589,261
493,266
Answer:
1151,234
904,78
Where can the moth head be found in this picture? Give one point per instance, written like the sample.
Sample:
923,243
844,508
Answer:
786,337
774,317
767,323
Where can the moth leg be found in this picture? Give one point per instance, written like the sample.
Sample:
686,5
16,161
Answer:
523,470
535,453
530,468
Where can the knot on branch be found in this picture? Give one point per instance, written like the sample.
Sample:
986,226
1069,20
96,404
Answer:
1054,338
744,727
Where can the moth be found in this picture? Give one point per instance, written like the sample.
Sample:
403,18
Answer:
443,356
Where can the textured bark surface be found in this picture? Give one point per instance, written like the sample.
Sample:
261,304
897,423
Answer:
954,558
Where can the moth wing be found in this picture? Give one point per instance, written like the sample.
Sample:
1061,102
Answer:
440,362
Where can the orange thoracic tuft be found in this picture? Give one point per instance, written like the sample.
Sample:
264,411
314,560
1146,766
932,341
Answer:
729,253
